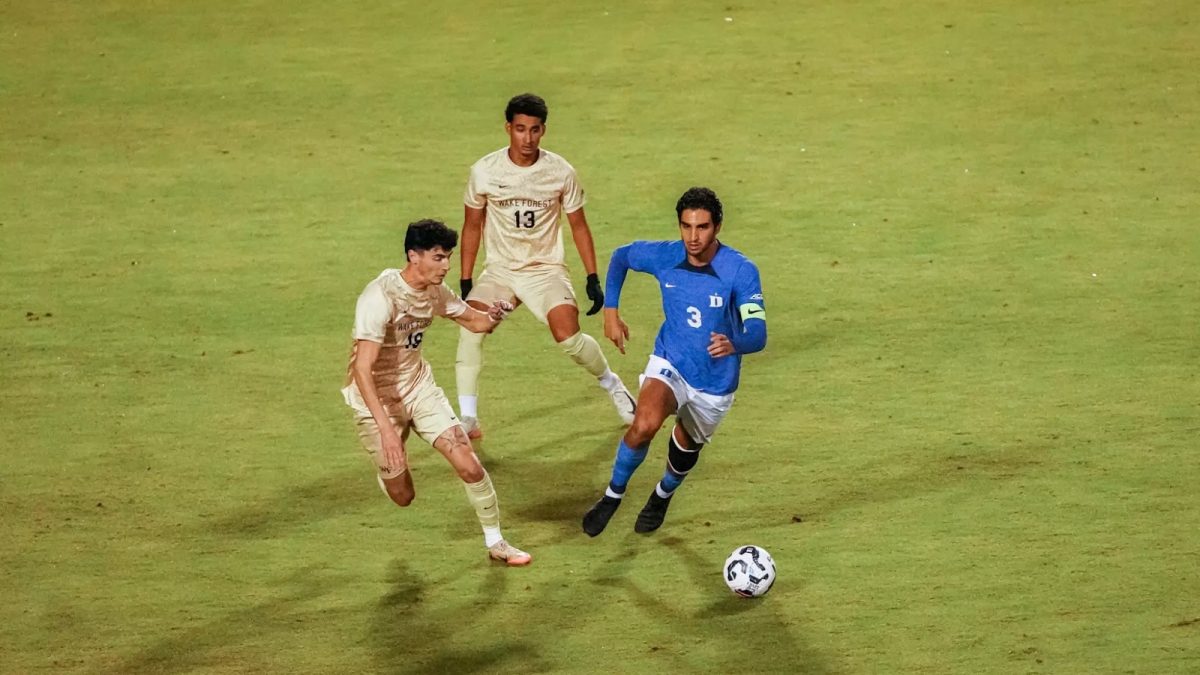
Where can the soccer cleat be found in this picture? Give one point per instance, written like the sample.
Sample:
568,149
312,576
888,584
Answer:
471,426
597,517
624,403
651,516
508,554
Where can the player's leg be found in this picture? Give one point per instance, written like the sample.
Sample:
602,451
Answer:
698,419
469,361
551,298
656,402
682,454
396,482
434,420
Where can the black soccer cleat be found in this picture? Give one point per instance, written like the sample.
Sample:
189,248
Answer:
597,517
652,514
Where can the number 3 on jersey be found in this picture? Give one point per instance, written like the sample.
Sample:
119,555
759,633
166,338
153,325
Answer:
694,319
523,219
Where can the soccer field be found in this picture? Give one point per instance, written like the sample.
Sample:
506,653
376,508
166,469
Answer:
970,444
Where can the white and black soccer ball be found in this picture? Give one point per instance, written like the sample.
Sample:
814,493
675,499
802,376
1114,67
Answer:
749,571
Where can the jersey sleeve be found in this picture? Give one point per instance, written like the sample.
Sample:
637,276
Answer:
639,256
475,195
371,314
748,299
648,256
747,293
572,196
449,304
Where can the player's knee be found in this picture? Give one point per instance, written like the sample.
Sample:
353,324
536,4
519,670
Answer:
397,490
401,499
468,468
472,474
641,432
572,344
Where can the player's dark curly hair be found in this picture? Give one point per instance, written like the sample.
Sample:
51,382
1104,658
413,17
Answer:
700,198
526,104
428,233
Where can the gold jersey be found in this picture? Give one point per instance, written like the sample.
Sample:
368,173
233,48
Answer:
395,315
523,205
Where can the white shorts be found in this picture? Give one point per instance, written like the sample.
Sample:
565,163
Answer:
541,289
698,412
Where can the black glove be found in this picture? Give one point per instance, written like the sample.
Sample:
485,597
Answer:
594,293
465,285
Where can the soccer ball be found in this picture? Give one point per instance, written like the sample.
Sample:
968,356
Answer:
749,571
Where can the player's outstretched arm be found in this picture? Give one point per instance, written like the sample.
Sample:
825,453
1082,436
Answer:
615,328
581,233
365,354
618,267
472,233
483,322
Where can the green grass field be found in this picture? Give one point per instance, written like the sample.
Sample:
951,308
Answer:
970,444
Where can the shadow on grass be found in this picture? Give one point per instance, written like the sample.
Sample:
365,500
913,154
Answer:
749,635
326,497
562,490
205,647
410,636
891,481
754,636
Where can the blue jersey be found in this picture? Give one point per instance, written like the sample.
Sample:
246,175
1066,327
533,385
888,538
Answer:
724,297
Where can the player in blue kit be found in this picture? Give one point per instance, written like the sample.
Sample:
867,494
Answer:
713,314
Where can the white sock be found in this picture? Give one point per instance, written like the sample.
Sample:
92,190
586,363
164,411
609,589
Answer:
608,492
491,535
467,406
609,380
661,492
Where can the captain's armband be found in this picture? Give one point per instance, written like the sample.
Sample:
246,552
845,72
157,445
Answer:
752,310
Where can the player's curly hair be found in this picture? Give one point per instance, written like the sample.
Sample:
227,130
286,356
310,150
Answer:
526,104
700,198
427,234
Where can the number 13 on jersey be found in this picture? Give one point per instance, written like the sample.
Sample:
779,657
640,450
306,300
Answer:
523,219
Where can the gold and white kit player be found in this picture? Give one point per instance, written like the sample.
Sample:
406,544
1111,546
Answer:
390,385
514,200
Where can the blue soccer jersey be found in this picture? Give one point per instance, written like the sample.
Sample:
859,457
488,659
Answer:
724,297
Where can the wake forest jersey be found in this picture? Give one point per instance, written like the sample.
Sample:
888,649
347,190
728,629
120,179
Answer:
697,301
523,205
394,314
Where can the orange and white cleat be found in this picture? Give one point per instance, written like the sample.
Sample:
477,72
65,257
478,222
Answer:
508,554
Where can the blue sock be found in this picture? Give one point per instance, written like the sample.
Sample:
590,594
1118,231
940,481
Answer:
670,481
627,461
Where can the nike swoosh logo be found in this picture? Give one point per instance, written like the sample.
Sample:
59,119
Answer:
754,311
668,285
502,187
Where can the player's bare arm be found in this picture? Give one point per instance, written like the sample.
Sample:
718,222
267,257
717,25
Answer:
582,235
472,233
615,328
478,321
365,354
